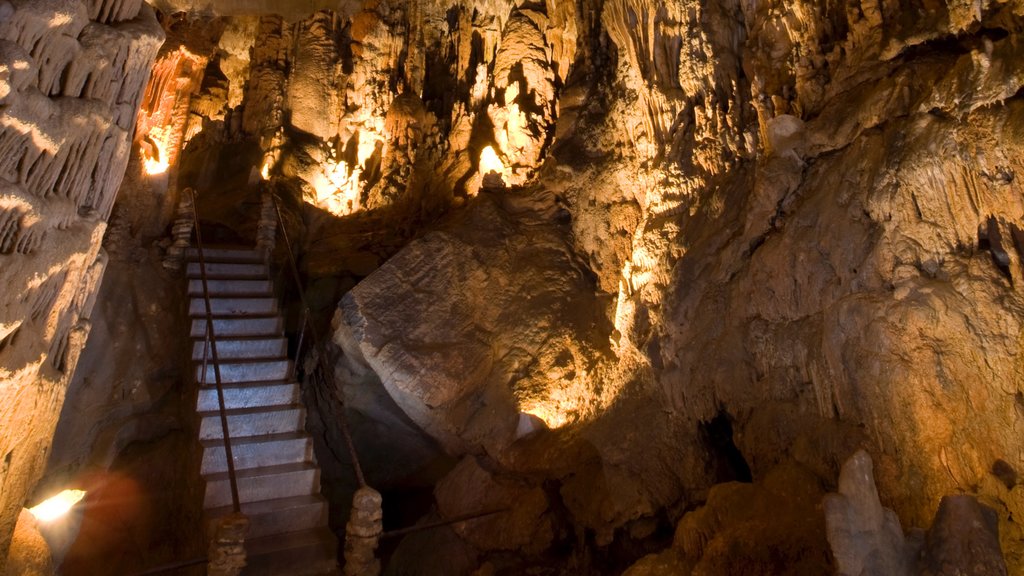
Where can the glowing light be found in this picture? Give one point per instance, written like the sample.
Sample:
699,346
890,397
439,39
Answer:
338,190
265,171
154,166
489,162
57,506
155,159
550,416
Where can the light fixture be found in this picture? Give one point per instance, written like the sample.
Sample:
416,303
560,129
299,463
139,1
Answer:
57,506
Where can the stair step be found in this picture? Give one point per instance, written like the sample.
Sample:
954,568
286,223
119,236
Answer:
244,255
265,483
239,327
281,516
231,287
261,421
257,451
236,306
242,348
229,271
248,395
243,371
306,553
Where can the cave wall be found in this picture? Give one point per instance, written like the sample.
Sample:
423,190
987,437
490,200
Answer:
801,219
73,77
804,218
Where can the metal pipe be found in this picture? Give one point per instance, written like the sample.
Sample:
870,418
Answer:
440,523
211,339
321,350
302,341
173,566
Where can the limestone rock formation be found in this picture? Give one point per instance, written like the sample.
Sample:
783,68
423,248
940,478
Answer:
771,527
73,75
520,340
610,257
519,519
865,537
963,539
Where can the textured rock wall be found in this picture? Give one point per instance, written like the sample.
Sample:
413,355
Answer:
803,217
740,236
73,76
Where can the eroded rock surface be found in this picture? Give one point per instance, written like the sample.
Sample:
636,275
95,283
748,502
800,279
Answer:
72,78
799,218
514,348
865,537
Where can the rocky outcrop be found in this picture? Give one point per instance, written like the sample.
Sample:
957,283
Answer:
798,218
772,527
487,384
519,518
963,539
865,538
800,215
73,76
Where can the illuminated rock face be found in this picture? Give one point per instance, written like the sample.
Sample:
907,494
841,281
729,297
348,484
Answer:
799,217
475,327
73,75
803,215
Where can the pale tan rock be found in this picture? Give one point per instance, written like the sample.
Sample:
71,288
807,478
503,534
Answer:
74,75
865,537
502,308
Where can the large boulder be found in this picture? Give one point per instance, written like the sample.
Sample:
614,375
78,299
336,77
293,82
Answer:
483,331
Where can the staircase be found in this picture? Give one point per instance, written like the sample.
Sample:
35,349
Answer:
278,479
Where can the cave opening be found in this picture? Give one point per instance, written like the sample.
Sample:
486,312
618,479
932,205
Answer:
725,459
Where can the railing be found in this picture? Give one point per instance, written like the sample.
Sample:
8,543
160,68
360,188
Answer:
210,349
321,377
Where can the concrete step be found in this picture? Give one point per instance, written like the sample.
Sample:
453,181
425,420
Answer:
242,348
281,516
239,327
229,271
261,421
248,395
257,451
240,255
243,371
234,306
265,483
307,553
231,287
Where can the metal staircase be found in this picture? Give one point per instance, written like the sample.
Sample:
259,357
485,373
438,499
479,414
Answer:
277,478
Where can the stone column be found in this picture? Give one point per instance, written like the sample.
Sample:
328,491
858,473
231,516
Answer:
227,547
266,230
362,533
181,232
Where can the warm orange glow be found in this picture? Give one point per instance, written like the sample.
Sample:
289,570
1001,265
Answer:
265,171
338,189
154,166
489,162
550,418
57,506
155,151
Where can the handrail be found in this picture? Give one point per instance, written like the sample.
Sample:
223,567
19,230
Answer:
326,373
211,346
